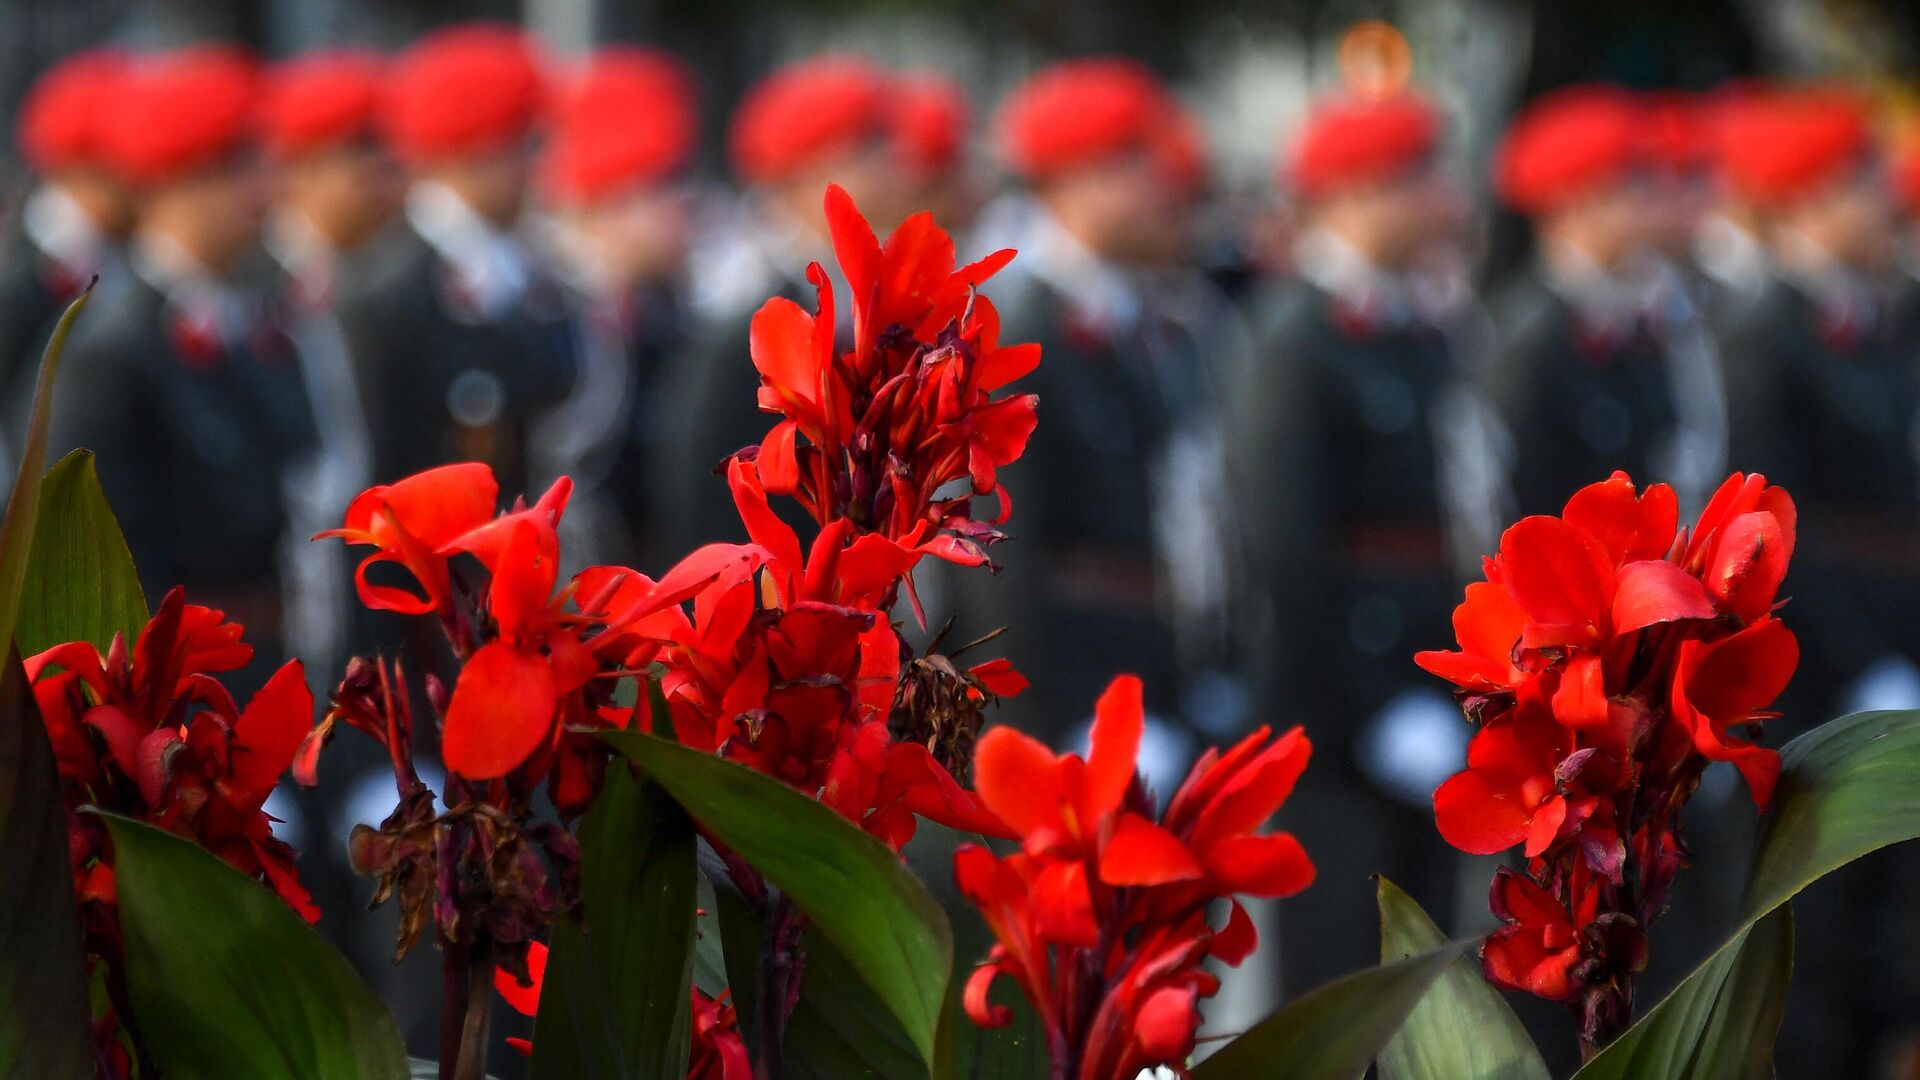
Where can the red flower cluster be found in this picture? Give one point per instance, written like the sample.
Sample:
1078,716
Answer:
717,1051
152,734
1608,657
908,410
155,736
1101,917
527,652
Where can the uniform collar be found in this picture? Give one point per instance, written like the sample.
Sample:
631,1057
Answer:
200,304
1606,302
489,262
1357,284
1844,299
62,231
308,258
1099,292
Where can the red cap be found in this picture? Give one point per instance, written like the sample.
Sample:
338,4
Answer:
629,119
59,125
806,113
319,101
465,90
1567,143
1677,131
930,118
177,113
1079,112
1349,141
1778,147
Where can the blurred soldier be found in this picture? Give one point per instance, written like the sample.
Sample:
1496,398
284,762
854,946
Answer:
1337,460
613,174
1581,377
1823,382
72,223
831,119
1824,400
459,336
1727,246
333,189
190,397
931,121
1110,161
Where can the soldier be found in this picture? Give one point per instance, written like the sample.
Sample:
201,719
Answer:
459,335
1823,383
191,399
1581,377
830,119
613,173
1822,386
333,189
1336,451
1108,157
72,223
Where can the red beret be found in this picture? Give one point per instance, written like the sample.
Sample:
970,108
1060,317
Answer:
805,113
1350,141
59,125
1677,131
465,90
177,113
930,117
1567,143
1778,147
629,119
319,101
1079,112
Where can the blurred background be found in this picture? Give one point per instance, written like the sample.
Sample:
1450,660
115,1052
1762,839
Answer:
1329,292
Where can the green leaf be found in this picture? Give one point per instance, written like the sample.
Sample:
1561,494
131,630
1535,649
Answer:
227,981
1847,788
43,991
854,890
1720,1022
1463,1028
81,584
614,1001
1335,1031
840,1029
23,504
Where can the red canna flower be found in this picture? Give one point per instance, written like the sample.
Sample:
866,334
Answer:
717,1052
1607,657
409,522
151,733
1101,917
909,410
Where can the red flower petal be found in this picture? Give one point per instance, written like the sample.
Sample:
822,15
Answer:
1560,576
1164,1025
1019,780
1268,866
1142,853
1235,941
1481,813
1652,591
1749,562
502,710
1119,718
524,998
1630,526
269,732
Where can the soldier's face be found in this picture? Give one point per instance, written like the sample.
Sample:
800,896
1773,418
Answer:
347,193
1125,209
103,199
214,214
640,236
494,184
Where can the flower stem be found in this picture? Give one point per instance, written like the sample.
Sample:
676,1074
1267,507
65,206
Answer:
466,968
781,966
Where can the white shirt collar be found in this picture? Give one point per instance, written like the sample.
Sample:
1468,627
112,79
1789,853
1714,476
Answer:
1097,290
491,262
1332,264
56,224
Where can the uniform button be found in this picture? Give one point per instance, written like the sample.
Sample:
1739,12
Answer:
475,398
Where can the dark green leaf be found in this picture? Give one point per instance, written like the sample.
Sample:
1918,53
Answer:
1335,1031
43,990
1847,788
81,584
1720,1022
23,503
227,981
840,1029
614,1001
855,891
1463,1027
